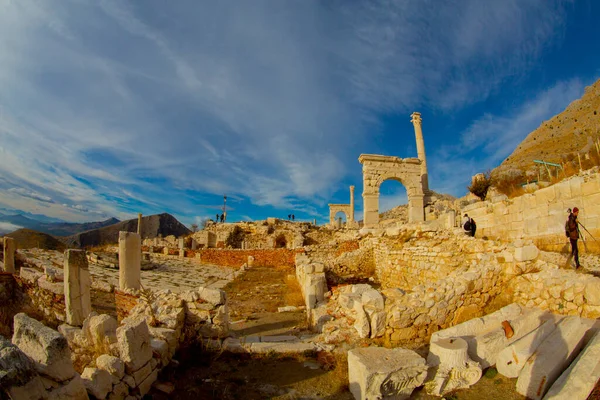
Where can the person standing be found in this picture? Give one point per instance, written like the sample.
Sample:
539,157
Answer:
217,219
572,232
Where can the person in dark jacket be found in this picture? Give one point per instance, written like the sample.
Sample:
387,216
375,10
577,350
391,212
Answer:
572,232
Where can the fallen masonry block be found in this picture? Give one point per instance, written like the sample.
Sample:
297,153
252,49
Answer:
526,253
552,357
578,381
377,372
133,340
484,348
98,382
279,347
46,347
18,375
450,367
512,359
477,326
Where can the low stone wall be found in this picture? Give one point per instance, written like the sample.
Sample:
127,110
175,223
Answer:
417,256
7,287
124,302
236,258
541,216
44,292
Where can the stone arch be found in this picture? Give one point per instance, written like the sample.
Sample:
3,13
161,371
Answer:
336,208
376,170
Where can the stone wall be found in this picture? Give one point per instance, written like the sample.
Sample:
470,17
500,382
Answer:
541,215
44,292
236,258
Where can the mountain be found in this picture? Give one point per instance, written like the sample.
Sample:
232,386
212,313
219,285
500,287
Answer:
54,228
152,226
561,137
27,238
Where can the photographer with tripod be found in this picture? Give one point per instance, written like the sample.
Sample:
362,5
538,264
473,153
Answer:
572,232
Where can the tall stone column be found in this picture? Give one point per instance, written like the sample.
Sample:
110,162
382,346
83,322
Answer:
130,254
9,254
78,304
139,230
351,216
416,120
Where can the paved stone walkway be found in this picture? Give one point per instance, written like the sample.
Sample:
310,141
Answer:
177,275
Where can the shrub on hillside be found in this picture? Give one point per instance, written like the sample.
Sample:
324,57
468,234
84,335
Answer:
480,185
510,182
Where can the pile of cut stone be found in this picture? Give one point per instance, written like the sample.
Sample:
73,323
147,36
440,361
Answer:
541,349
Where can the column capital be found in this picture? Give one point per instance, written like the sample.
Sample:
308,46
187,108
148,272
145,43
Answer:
416,118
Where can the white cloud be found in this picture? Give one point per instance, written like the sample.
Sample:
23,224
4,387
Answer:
6,227
31,194
265,100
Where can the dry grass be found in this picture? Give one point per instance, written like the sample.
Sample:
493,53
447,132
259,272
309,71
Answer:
293,294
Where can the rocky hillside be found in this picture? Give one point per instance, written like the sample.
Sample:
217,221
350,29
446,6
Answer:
27,239
152,226
560,138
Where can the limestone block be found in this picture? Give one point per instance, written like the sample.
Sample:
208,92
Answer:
578,381
280,347
77,281
551,358
170,336
347,300
361,323
319,316
100,330
9,254
484,348
315,287
233,345
476,326
377,321
74,390
30,275
592,292
451,367
119,392
511,360
130,263
112,365
141,374
373,299
32,390
98,382
54,287
133,340
526,253
18,372
376,373
146,385
46,347
213,296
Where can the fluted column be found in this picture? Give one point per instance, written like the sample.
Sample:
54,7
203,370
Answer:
416,120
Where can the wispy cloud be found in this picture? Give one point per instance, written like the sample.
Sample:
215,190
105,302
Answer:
31,194
118,106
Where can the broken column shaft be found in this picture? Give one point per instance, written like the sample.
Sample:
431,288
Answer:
77,287
130,251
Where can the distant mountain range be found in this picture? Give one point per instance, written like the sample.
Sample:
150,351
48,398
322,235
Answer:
41,224
152,226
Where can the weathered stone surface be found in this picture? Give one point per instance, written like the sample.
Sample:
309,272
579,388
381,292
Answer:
160,347
30,275
74,390
484,348
130,253
120,391
451,367
77,287
233,345
46,347
9,254
378,320
170,336
578,381
32,390
280,347
511,360
112,365
376,373
15,368
146,385
134,344
372,298
213,296
552,357
141,374
592,293
100,330
361,324
526,253
98,382
54,287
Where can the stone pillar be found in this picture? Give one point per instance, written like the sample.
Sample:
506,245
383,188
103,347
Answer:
416,120
194,244
351,216
9,254
315,222
181,247
77,287
371,210
139,231
130,252
451,219
416,209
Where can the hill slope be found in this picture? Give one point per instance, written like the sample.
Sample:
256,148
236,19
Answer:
27,239
152,226
55,228
575,129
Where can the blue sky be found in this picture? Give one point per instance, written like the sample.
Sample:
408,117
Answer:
109,108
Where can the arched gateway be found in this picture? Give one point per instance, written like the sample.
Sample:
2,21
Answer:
376,170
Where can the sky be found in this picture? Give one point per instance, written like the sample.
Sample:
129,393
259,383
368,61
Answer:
110,108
